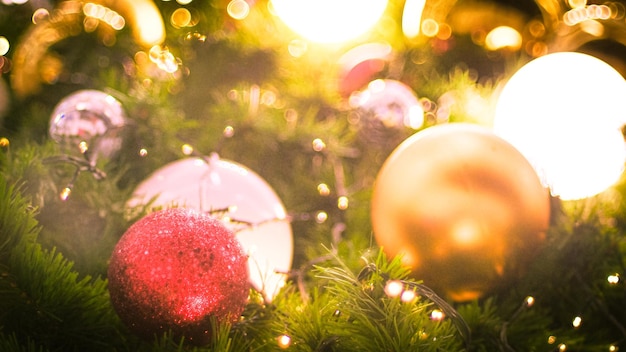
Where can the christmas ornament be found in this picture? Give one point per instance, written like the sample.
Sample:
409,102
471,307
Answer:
327,21
569,126
90,122
248,204
361,64
462,206
391,102
177,269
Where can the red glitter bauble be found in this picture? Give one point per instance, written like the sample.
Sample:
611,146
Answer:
178,270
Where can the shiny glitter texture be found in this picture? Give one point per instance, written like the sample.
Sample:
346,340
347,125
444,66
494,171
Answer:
176,270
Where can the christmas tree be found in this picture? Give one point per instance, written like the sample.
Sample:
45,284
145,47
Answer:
433,175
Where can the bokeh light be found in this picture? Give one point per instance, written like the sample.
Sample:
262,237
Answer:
329,21
412,17
392,102
503,37
4,45
564,112
238,9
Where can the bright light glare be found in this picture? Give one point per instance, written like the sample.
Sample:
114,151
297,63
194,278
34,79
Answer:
564,112
148,24
503,37
412,17
329,21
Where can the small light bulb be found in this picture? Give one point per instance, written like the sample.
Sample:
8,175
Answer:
551,339
318,145
83,147
562,347
323,189
613,279
437,315
228,132
143,152
394,288
187,149
65,193
577,321
4,142
408,296
284,341
342,203
321,217
530,300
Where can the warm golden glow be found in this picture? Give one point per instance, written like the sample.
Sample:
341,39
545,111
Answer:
343,203
394,288
4,45
613,279
329,21
579,151
147,23
577,3
437,315
503,37
577,322
430,27
321,217
181,17
323,189
318,145
412,17
284,341
238,9
408,296
466,233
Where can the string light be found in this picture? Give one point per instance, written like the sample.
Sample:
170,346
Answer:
408,296
163,58
437,315
104,14
323,189
562,347
342,203
83,147
284,341
318,145
613,279
394,288
228,132
65,193
187,149
577,321
321,217
4,142
143,152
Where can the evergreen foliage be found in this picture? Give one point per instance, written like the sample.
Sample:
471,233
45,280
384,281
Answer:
54,254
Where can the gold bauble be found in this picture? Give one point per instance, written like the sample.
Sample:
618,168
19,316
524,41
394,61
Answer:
463,207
